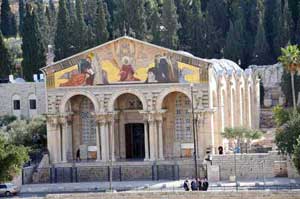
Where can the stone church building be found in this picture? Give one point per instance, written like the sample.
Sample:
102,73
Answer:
133,102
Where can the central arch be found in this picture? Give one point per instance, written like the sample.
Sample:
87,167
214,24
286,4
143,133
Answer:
129,128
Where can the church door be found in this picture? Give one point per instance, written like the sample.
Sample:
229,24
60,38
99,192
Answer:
135,145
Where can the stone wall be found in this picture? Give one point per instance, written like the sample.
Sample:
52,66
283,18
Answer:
251,166
189,195
23,91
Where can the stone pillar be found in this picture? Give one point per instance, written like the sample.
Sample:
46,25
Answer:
160,141
152,141
112,138
103,141
52,137
98,141
146,140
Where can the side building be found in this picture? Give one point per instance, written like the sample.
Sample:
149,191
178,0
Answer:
22,99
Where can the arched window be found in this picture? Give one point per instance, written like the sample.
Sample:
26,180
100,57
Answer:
88,123
183,123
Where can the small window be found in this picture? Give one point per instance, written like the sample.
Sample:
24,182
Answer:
16,104
2,186
32,104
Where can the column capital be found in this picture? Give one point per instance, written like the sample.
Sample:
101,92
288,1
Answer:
52,119
65,118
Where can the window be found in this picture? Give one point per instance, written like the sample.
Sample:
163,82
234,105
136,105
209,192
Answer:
32,104
183,122
17,105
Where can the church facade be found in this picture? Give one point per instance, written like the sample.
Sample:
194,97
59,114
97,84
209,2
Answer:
131,101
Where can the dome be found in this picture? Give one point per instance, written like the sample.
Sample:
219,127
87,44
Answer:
225,66
19,80
185,53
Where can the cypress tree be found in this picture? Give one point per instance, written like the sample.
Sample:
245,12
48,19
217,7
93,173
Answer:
184,19
5,59
34,56
21,15
43,22
155,27
261,52
101,32
13,25
169,37
6,19
283,25
234,46
62,37
196,32
91,38
136,18
297,32
51,20
80,29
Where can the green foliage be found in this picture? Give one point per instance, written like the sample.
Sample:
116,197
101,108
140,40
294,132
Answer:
80,29
287,134
12,158
281,115
6,120
62,41
34,55
170,26
241,133
5,59
296,155
21,15
101,32
8,22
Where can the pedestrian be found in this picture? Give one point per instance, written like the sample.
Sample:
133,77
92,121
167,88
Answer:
199,183
78,155
186,185
205,184
194,185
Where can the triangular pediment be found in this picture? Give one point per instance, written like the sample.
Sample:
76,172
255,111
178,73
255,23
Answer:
126,60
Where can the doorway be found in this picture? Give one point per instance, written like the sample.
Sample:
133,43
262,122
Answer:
135,142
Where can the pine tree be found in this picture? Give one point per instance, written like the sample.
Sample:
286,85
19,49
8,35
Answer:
6,19
261,52
21,15
169,37
80,29
62,37
5,59
34,56
101,32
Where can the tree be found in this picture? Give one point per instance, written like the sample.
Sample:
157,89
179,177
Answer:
286,86
155,27
62,41
21,15
296,155
5,60
101,32
241,133
261,52
80,29
12,159
290,58
169,37
8,21
196,31
287,134
34,56
43,24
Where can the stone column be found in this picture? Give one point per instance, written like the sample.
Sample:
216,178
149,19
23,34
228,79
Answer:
160,141
98,142
63,140
52,137
103,138
112,138
146,141
152,140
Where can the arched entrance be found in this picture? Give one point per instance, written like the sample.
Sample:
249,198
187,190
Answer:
83,128
177,126
129,128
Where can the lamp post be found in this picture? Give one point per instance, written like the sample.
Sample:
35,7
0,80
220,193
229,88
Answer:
194,133
236,182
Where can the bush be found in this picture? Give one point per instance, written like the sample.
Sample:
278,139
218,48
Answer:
296,155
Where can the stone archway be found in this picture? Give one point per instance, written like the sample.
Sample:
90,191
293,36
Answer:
177,125
129,127
80,127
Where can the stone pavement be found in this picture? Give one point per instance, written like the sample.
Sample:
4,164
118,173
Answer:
154,186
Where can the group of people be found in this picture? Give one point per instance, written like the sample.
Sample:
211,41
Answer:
196,184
